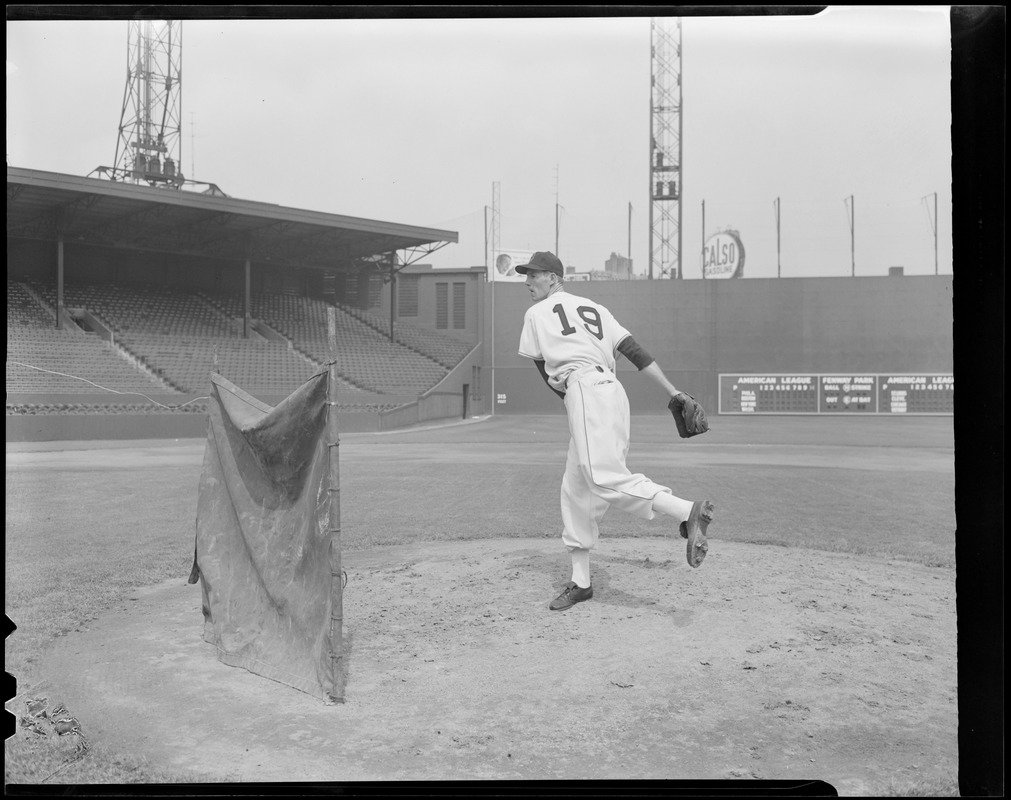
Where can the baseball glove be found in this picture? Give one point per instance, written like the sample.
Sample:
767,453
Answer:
689,416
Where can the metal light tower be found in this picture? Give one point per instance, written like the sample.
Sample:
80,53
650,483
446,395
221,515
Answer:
665,188
149,148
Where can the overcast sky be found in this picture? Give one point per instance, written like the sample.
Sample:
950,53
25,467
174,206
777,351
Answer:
412,121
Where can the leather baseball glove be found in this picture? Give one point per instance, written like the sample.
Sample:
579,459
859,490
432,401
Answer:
689,416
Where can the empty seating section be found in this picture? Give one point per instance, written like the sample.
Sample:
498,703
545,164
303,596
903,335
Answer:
75,356
266,367
437,346
144,310
180,336
364,356
24,310
59,359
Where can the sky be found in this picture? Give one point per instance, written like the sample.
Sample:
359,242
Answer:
414,121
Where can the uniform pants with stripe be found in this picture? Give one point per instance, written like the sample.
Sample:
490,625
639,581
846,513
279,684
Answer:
596,477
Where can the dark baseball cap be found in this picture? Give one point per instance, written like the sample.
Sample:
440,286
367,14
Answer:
548,262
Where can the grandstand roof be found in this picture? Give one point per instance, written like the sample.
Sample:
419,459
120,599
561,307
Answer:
122,215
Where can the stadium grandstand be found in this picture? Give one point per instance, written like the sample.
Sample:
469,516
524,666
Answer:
123,298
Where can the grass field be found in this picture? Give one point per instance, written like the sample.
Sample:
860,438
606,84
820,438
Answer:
88,522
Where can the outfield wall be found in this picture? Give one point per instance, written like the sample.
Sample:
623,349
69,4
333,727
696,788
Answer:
697,329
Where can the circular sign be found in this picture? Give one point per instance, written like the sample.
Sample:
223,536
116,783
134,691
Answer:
723,256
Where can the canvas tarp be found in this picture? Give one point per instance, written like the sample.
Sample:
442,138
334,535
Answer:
263,542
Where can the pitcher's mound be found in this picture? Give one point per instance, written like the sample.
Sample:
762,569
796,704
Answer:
764,662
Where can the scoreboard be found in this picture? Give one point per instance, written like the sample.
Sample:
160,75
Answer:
916,394
837,393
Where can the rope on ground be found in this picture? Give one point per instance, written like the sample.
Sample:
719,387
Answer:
107,389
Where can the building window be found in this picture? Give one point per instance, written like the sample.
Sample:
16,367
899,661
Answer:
442,306
407,296
351,290
375,290
459,305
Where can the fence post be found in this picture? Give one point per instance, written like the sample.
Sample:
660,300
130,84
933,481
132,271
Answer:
336,639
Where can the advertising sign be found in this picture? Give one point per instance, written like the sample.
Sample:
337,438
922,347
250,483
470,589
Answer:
723,256
503,265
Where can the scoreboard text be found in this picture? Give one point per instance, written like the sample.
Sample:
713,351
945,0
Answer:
837,394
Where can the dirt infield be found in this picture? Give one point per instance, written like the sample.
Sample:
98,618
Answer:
763,663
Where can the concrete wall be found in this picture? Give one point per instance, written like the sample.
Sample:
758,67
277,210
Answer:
88,427
696,329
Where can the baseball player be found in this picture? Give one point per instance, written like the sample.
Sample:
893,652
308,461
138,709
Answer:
573,342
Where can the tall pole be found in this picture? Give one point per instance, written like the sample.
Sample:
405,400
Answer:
935,233
556,213
649,253
933,225
703,236
630,236
489,277
494,397
495,234
779,266
336,695
853,257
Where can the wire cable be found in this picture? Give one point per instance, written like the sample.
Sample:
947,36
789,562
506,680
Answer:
107,389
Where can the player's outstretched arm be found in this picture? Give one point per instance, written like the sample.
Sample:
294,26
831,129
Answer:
646,364
657,376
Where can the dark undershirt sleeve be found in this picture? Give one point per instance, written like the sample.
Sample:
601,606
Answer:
630,348
544,374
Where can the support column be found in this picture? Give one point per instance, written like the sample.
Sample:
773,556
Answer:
59,281
246,302
393,296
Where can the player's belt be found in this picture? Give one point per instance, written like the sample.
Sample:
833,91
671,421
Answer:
579,372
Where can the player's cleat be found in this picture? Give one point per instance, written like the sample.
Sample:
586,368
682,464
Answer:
694,530
571,595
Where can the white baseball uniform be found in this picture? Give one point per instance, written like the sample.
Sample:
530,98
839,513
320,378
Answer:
577,339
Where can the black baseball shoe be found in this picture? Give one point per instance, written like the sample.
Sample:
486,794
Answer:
571,595
694,530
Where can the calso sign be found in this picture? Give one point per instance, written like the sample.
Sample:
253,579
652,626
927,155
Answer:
723,256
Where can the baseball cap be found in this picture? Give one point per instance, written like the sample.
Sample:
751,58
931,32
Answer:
548,262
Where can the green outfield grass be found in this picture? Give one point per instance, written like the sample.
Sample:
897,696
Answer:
82,534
